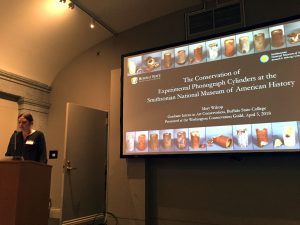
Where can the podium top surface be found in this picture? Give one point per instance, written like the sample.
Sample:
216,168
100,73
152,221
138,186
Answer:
9,160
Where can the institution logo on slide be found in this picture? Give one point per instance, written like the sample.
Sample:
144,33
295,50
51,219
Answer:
264,58
134,80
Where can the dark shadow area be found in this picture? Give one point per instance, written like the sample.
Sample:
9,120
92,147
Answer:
224,190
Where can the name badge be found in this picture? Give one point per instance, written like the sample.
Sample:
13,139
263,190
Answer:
29,142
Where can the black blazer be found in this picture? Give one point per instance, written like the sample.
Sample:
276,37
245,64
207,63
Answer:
32,148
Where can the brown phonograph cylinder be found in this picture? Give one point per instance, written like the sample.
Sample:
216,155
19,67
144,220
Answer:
141,143
195,139
153,142
223,141
167,140
168,61
181,58
277,38
198,54
262,137
229,47
259,41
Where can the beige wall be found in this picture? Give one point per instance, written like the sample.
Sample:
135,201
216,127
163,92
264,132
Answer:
126,178
210,190
87,81
8,123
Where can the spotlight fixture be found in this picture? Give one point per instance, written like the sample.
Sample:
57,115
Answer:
94,19
71,5
92,24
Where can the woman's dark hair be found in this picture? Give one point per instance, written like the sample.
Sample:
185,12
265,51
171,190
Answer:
27,116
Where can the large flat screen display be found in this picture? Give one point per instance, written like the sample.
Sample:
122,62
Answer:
233,93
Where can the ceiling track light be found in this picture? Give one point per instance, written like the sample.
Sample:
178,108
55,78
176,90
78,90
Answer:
71,5
92,24
94,19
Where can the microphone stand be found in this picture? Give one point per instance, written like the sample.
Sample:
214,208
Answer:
15,156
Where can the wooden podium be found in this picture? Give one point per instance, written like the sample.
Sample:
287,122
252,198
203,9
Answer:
24,192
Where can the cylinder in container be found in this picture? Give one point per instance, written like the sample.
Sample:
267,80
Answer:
289,136
213,51
244,44
242,137
129,142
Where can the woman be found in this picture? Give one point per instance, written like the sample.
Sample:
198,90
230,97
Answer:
27,143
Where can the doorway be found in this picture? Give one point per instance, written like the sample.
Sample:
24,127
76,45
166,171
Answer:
84,178
8,122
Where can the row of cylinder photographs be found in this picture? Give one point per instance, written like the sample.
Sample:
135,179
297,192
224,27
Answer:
262,136
256,41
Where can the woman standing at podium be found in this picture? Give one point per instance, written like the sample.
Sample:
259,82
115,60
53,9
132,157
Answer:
27,143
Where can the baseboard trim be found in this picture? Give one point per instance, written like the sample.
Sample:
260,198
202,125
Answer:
97,218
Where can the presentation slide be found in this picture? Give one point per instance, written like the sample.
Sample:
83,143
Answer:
235,93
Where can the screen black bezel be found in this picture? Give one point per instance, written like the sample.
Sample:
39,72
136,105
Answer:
186,42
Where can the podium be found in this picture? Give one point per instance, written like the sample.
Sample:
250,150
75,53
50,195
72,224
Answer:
24,192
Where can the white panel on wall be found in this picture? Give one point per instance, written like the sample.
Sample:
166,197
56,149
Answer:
8,123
